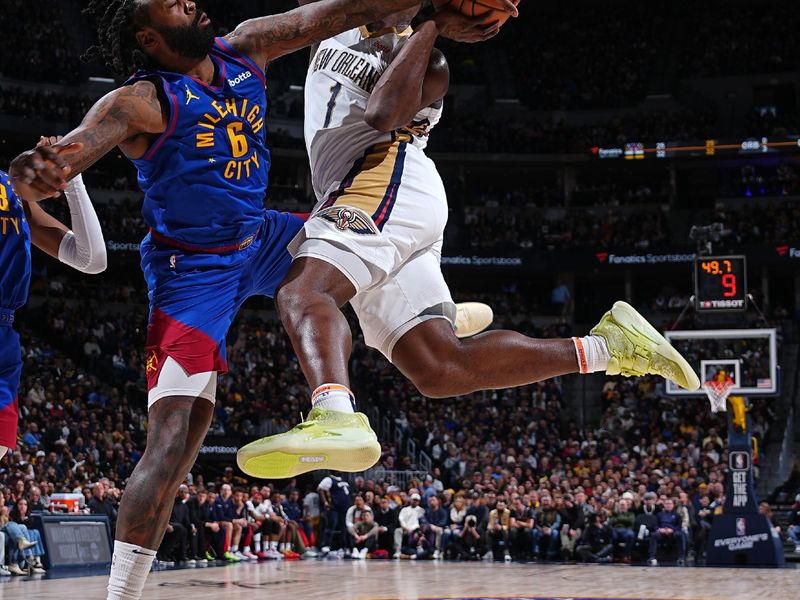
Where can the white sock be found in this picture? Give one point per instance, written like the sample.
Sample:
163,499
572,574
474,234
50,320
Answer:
592,352
284,547
335,397
234,549
273,546
257,542
129,568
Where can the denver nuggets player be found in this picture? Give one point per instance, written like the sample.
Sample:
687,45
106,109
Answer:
372,97
191,118
21,225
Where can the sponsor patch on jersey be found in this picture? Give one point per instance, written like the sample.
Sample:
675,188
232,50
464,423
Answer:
346,218
240,78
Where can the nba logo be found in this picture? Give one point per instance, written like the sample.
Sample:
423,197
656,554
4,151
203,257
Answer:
739,461
741,528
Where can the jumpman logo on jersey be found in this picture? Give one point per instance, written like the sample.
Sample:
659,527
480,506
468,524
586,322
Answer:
190,96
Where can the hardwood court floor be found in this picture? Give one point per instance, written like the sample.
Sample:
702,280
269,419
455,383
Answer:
384,580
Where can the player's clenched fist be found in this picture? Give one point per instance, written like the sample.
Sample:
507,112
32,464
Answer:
42,172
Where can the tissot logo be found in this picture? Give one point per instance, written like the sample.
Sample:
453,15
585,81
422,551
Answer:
240,78
602,256
782,250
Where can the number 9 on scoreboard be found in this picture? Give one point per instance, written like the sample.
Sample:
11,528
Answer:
720,283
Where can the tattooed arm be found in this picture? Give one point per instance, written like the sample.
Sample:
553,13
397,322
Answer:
268,38
417,77
126,117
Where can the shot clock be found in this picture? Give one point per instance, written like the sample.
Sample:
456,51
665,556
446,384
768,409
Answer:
720,283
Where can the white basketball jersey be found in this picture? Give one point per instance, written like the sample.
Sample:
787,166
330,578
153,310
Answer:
340,79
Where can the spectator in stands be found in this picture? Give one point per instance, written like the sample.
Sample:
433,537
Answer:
499,523
173,548
223,512
436,519
365,535
290,543
764,509
622,523
458,512
100,504
335,496
475,523
35,503
4,572
240,543
412,540
596,544
295,513
312,513
668,530
387,521
197,508
17,536
33,554
703,519
686,511
217,537
520,538
546,530
793,528
573,522
259,511
352,517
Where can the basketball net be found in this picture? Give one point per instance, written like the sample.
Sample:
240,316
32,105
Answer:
718,392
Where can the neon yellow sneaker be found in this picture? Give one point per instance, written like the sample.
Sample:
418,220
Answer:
472,318
327,439
638,349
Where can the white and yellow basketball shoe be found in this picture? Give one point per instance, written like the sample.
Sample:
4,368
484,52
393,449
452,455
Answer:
638,349
327,439
472,318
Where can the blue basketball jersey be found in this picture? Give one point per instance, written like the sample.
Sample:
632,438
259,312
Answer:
205,178
15,249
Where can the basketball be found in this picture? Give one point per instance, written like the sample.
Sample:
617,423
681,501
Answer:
476,8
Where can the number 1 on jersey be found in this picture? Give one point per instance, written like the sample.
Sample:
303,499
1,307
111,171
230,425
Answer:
332,103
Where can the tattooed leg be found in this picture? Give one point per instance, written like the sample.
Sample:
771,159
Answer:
177,427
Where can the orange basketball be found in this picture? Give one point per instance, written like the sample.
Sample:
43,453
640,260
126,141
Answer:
477,8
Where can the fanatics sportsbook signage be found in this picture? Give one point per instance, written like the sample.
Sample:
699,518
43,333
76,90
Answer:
575,259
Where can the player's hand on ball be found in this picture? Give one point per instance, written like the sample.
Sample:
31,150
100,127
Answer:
458,27
50,140
502,5
42,172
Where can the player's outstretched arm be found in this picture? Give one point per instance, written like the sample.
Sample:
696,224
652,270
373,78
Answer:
417,77
82,247
267,38
128,115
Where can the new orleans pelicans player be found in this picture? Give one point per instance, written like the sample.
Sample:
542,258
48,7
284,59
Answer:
191,117
373,95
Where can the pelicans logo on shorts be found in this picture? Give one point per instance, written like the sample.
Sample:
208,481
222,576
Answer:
346,218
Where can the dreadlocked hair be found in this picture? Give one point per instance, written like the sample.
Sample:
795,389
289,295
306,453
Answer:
116,22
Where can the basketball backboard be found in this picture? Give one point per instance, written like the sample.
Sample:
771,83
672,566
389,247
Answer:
748,356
